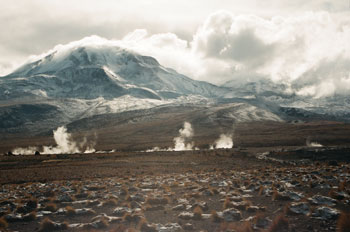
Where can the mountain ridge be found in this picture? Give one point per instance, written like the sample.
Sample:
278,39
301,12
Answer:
81,81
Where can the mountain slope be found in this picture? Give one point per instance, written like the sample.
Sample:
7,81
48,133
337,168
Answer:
279,99
85,82
88,72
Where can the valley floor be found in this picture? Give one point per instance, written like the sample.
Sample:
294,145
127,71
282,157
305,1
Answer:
217,190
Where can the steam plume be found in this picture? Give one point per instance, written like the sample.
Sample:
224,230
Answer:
186,133
312,144
224,141
65,145
181,142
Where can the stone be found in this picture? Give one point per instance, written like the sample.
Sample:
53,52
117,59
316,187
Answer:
231,215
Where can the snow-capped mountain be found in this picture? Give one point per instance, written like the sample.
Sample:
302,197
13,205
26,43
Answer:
88,72
75,83
278,98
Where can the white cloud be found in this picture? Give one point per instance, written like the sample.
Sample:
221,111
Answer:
310,49
307,46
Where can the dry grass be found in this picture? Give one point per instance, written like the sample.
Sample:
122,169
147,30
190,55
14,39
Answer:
245,227
195,195
110,202
128,198
145,227
48,225
343,224
215,217
342,185
51,207
214,190
227,203
279,224
197,211
237,227
29,217
103,223
3,223
261,190
124,191
70,211
32,203
276,196
127,217
157,201
21,209
91,203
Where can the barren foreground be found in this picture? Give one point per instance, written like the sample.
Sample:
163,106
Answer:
225,190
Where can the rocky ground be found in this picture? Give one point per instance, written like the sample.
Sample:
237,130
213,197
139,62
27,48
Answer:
224,190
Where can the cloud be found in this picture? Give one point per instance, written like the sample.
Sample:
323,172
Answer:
227,37
306,47
309,51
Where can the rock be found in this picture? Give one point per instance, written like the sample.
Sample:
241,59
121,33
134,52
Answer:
325,213
120,211
183,201
252,209
33,204
231,215
341,195
203,205
186,215
99,224
188,226
295,196
299,208
110,219
322,200
24,209
262,223
135,204
179,207
155,208
170,227
85,211
43,213
137,197
157,201
207,192
64,198
13,218
239,205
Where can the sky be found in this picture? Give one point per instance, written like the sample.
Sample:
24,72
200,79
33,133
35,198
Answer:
304,44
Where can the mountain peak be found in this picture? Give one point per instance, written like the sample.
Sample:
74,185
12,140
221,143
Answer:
89,51
96,67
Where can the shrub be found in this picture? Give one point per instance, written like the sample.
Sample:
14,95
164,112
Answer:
30,217
70,210
215,217
279,224
3,223
32,203
51,207
343,224
197,211
48,225
110,202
